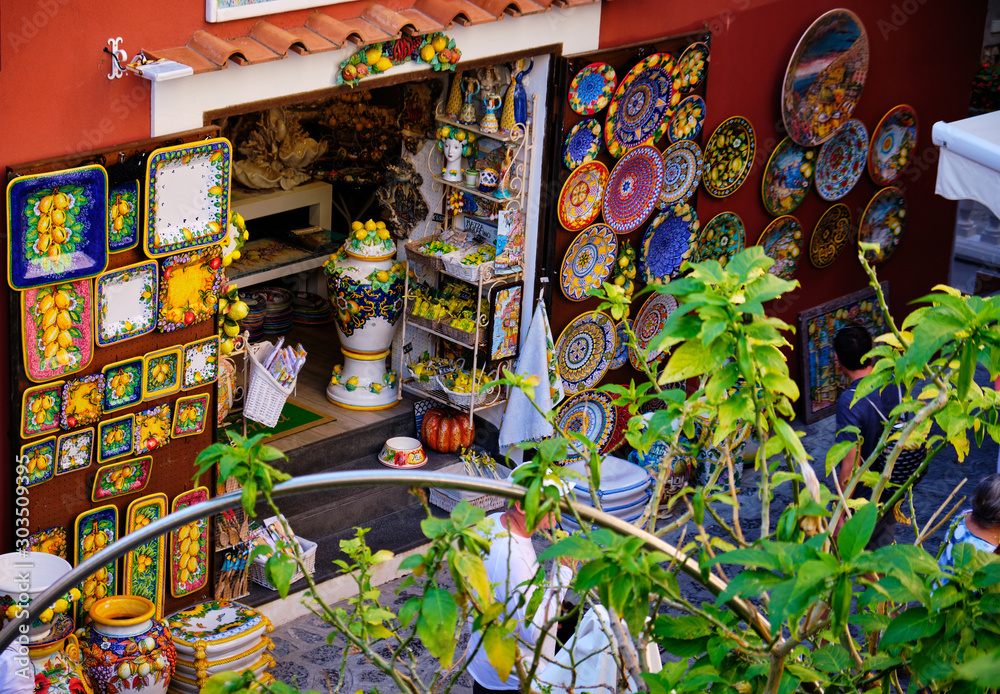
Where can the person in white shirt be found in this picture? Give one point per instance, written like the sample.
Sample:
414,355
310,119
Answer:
511,563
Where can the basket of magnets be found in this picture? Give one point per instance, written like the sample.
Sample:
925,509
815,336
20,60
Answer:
423,306
471,266
466,391
272,534
428,251
474,464
428,367
266,396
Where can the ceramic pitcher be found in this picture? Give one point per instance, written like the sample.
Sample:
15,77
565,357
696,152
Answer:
56,662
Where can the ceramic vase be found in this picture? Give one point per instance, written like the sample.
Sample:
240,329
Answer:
366,289
29,575
56,662
454,104
126,649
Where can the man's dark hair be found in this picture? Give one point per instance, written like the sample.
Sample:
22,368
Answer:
986,502
851,343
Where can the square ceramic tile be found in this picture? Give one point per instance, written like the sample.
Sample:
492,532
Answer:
74,451
126,302
93,531
123,384
115,438
57,330
40,408
189,288
82,401
162,373
152,429
123,217
121,478
38,460
201,363
190,415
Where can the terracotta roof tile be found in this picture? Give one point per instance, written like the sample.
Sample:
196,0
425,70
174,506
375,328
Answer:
364,32
313,42
514,8
212,47
421,23
410,22
248,51
574,3
277,39
448,12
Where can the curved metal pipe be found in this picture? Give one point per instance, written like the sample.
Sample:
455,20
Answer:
360,478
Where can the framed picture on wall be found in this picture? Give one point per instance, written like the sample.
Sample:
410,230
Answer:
823,380
504,330
228,10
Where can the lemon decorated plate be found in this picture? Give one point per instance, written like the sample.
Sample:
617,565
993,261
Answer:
189,547
144,565
190,415
201,363
57,330
95,529
123,384
121,478
162,373
114,438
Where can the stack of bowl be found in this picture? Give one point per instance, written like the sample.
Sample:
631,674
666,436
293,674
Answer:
253,323
217,636
278,315
624,491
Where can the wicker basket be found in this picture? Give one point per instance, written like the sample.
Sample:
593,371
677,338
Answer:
265,397
420,320
257,574
468,400
448,499
462,336
469,273
432,261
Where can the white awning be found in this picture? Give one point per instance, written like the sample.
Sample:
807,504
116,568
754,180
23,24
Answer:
969,166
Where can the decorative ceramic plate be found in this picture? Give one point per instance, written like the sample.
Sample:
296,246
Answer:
588,261
221,624
51,541
40,408
162,372
787,177
668,242
591,413
39,461
57,227
189,547
831,234
121,478
642,105
682,167
729,156
633,189
201,363
74,451
883,223
114,438
591,88
187,202
189,288
621,356
585,349
58,330
688,120
122,384
841,160
146,564
190,415
825,77
648,324
126,302
123,217
692,66
893,144
782,242
93,531
82,401
152,429
581,196
723,237
583,143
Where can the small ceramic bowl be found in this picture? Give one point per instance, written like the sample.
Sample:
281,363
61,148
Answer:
471,177
489,179
402,452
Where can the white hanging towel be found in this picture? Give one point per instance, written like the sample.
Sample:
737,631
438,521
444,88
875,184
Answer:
521,421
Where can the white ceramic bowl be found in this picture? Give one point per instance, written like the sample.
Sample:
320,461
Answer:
30,575
403,452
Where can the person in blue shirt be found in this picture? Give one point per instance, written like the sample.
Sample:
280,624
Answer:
978,526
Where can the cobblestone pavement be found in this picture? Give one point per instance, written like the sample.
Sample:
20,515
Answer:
304,657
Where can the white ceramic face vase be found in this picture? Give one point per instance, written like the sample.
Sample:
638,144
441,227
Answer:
452,160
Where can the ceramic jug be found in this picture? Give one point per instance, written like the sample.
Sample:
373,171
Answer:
56,662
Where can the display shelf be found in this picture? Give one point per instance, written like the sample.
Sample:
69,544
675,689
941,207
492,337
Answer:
316,195
472,190
428,391
514,136
266,274
467,345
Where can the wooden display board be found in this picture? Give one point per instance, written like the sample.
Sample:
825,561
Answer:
58,501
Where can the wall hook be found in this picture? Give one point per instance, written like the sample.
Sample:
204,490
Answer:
118,58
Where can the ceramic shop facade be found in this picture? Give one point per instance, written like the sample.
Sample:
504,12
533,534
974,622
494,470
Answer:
52,51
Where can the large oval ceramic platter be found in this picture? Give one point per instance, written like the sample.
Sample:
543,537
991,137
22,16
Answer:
830,235
633,188
692,66
591,89
642,106
782,242
882,223
585,349
841,160
583,143
581,196
588,261
825,77
723,237
593,414
682,169
688,119
893,144
728,156
787,177
668,242
647,324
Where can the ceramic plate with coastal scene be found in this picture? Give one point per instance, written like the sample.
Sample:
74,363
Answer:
883,223
787,177
782,242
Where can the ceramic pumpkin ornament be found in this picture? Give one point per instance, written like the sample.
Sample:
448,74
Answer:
446,430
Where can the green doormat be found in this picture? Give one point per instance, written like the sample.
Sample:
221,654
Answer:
295,417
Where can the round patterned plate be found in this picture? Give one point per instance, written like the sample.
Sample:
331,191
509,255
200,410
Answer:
687,121
723,237
825,77
883,223
893,144
841,160
581,196
832,232
588,261
648,324
583,143
642,105
782,242
682,166
729,156
593,414
633,188
692,66
787,177
621,356
585,349
668,242
591,88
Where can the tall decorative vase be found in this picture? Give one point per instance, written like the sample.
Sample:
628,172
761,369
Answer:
126,649
56,662
41,570
454,105
366,289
